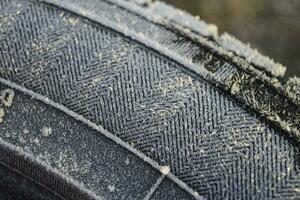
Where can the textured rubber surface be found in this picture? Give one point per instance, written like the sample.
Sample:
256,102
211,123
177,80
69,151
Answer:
16,186
164,95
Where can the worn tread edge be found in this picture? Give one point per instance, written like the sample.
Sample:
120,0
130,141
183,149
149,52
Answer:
225,45
166,13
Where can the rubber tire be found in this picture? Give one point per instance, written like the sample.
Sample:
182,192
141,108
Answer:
136,100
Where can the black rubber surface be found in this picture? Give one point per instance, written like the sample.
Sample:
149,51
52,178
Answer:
100,99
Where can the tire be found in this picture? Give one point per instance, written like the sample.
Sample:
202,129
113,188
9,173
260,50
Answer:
116,99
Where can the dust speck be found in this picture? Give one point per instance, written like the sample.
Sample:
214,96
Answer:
1,114
37,141
111,188
82,12
22,139
46,131
7,97
25,131
127,161
165,170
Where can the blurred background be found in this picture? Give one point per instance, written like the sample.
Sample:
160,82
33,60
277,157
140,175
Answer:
271,26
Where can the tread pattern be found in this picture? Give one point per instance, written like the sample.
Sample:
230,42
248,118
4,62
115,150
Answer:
214,144
71,159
